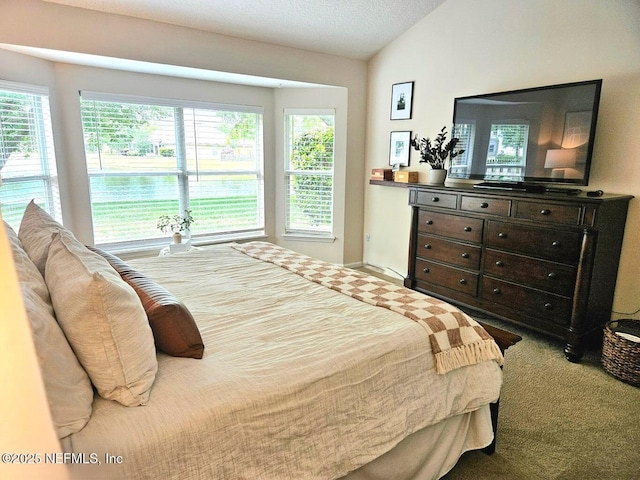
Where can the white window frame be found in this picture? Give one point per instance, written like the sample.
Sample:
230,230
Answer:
307,234
182,172
44,137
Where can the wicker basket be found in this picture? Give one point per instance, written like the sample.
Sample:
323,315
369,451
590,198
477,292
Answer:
620,355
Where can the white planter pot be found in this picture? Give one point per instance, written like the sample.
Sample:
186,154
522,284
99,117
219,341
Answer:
437,177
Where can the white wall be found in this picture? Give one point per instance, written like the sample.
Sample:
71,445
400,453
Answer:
40,24
467,47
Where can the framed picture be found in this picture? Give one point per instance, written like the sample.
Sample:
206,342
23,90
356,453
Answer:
399,149
401,101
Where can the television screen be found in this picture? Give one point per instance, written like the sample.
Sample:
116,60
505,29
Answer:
538,135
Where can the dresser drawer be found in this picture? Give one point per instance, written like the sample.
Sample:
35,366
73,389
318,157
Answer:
493,206
453,226
529,301
434,198
463,255
449,277
545,212
559,246
550,276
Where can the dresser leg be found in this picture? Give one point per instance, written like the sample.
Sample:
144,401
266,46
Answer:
573,353
575,334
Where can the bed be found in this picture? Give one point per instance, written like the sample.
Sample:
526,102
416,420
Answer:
299,377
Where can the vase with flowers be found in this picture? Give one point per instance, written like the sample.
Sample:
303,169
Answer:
436,154
176,224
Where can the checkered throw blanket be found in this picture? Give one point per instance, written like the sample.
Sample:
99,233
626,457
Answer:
456,339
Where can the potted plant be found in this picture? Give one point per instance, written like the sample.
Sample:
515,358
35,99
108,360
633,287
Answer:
436,154
176,224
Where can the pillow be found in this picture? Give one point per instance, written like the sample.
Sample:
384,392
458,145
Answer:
14,241
69,391
174,328
35,232
103,320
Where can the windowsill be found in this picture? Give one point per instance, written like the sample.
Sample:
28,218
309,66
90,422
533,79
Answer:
308,237
153,249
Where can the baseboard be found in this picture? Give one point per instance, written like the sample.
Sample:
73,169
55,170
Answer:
355,265
385,273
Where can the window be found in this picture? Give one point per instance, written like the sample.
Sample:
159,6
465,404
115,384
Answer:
507,151
309,172
151,157
27,159
465,133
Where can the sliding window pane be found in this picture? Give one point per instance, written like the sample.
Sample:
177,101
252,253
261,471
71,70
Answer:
27,159
223,203
122,137
126,208
310,202
153,160
309,172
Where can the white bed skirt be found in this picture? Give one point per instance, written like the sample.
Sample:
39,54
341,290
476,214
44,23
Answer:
431,452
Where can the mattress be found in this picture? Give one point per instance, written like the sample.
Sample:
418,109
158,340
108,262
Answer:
297,381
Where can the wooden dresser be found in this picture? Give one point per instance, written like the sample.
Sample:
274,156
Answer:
547,261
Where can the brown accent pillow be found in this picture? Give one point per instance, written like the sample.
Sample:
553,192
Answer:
174,328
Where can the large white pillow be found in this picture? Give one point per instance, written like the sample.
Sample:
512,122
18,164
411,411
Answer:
11,234
35,233
103,319
68,388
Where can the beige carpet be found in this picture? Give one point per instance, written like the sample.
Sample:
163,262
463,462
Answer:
559,420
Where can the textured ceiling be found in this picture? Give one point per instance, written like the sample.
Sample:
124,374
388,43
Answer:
350,28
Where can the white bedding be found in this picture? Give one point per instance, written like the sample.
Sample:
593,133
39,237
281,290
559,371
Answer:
297,381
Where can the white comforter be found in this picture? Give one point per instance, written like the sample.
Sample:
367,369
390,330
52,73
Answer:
297,382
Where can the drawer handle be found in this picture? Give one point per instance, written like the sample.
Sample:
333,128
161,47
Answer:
429,222
484,205
552,275
425,270
428,246
502,235
497,291
548,306
465,255
545,212
467,229
435,199
462,281
556,243
499,263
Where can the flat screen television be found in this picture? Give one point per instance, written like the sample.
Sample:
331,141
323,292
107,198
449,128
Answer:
528,137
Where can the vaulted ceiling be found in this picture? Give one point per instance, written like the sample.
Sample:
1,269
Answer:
350,28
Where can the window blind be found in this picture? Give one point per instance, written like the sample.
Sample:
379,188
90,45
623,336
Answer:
27,157
147,158
309,168
507,151
465,133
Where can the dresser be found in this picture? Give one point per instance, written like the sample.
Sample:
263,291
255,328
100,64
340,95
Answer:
545,261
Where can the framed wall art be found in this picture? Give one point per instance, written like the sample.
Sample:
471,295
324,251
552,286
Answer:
401,101
399,148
